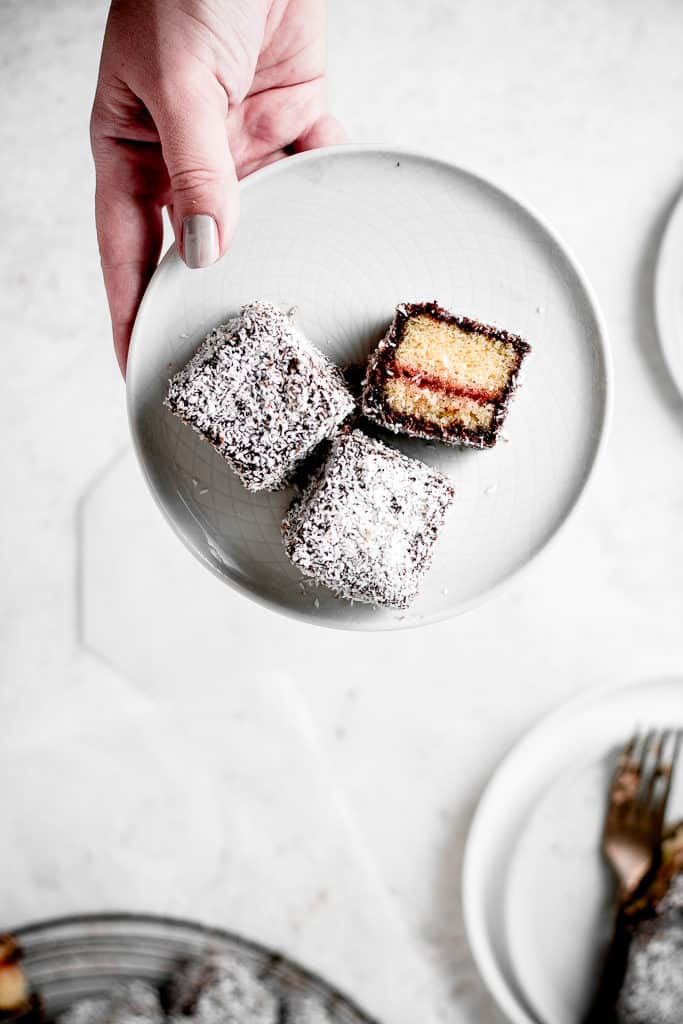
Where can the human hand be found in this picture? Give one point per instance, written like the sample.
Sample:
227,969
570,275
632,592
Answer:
191,96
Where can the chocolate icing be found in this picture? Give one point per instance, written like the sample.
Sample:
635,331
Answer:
382,365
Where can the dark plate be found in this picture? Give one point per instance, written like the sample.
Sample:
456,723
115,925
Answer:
70,958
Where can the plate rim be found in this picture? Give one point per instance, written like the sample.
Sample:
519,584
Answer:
664,258
390,624
515,1006
188,924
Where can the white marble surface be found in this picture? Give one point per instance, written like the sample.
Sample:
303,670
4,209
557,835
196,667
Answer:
171,746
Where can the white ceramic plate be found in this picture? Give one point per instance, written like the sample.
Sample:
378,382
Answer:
669,294
536,894
344,235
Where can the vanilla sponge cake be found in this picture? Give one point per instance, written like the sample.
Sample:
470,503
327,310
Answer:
438,375
18,1005
366,524
261,394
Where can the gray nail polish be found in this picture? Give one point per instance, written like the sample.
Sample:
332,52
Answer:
200,240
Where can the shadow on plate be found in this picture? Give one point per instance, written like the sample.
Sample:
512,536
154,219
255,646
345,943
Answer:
644,311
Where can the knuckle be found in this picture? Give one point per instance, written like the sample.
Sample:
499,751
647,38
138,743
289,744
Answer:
100,121
188,181
181,84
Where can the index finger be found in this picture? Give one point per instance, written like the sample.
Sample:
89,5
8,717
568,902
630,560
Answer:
128,212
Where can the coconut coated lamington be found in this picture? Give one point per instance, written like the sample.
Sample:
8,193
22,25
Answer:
652,989
641,981
437,375
366,525
261,394
221,990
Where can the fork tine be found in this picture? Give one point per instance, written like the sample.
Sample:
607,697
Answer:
660,806
622,757
630,746
639,753
639,764
658,745
628,759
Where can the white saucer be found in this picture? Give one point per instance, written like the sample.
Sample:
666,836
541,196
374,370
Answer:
344,235
669,294
536,896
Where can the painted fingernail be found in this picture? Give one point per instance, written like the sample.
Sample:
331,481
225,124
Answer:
200,240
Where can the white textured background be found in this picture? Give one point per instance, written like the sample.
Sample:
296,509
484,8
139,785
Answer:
130,679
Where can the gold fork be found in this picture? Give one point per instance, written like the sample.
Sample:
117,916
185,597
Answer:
637,805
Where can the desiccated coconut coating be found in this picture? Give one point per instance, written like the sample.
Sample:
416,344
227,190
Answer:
652,989
261,394
221,990
86,1011
366,526
130,1002
237,996
306,1009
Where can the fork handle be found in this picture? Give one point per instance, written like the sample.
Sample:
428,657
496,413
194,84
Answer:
603,1007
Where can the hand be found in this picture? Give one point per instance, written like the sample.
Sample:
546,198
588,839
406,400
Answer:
191,96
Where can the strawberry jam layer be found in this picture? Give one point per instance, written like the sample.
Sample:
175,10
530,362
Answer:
449,387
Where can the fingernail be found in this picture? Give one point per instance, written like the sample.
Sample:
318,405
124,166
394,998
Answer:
200,240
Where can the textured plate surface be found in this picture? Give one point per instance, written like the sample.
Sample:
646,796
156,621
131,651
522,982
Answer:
669,294
344,235
537,896
78,957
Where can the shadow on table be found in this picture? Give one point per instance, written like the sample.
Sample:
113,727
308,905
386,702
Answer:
644,312
448,937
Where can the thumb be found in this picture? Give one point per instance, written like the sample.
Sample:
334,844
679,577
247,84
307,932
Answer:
204,201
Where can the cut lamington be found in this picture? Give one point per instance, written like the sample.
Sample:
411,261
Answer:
366,525
261,394
436,375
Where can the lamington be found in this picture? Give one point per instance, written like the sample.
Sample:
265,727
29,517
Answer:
129,1002
438,375
220,990
642,980
366,524
262,394
652,988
